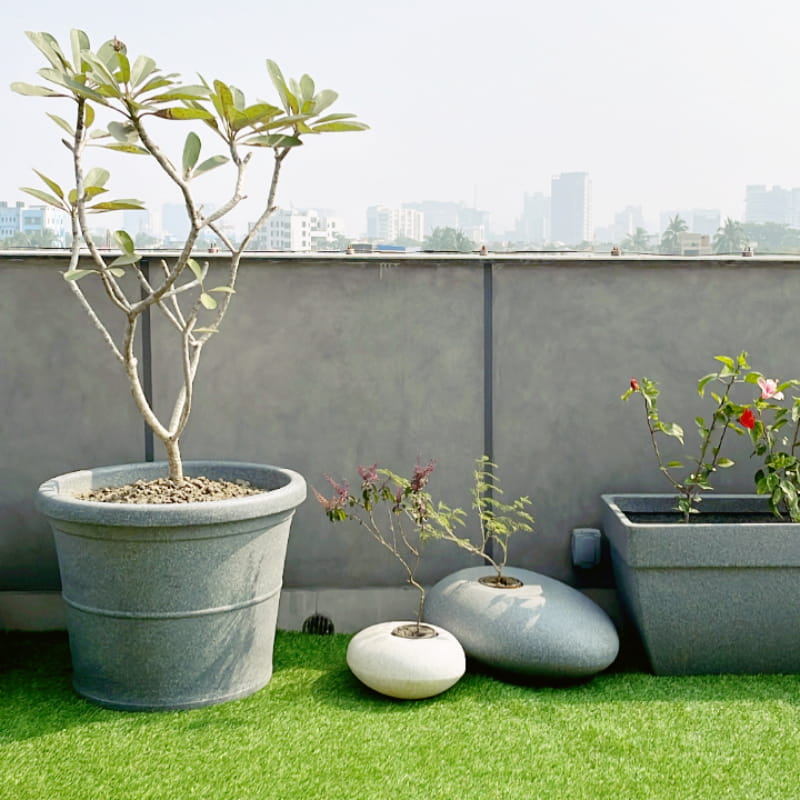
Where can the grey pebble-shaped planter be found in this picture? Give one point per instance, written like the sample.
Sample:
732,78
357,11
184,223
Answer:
171,606
543,628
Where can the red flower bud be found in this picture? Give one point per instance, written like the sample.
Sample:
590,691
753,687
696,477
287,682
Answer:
748,419
634,384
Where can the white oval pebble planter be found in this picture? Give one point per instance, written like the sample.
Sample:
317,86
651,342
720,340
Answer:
405,668
543,628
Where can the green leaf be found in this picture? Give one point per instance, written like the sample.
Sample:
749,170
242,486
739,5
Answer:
253,115
49,48
210,163
206,330
29,90
54,187
224,289
116,272
124,260
702,383
47,198
725,463
142,68
88,119
726,360
674,465
97,176
124,74
273,140
223,100
339,127
118,205
323,100
288,100
208,301
181,112
180,93
191,152
306,88
195,268
126,148
77,274
124,241
80,42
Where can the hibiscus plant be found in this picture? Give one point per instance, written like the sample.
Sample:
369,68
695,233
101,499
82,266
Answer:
117,102
400,515
761,418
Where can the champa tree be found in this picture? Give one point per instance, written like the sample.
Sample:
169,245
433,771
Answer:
137,94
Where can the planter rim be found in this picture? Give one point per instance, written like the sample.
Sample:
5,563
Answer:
55,499
621,503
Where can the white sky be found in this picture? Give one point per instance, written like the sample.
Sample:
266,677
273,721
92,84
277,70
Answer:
666,105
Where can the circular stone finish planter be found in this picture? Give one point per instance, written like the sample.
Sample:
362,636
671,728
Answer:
171,606
408,669
544,628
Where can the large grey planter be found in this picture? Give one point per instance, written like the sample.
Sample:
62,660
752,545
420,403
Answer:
171,606
717,595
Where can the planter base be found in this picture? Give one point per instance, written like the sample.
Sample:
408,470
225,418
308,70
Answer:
709,597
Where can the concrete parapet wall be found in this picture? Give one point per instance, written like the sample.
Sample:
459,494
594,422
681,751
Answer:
326,363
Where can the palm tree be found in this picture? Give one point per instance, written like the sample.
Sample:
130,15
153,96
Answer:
638,241
670,239
730,238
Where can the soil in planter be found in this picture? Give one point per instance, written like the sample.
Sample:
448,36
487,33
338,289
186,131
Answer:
501,582
165,491
414,631
710,518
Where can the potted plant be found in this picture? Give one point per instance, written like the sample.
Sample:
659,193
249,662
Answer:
511,618
407,660
171,582
711,581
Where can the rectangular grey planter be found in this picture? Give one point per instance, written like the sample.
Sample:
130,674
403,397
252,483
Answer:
718,595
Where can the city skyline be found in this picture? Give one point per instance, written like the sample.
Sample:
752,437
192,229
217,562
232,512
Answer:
674,108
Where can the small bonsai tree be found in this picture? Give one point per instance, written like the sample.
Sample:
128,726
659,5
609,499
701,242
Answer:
498,522
136,95
400,515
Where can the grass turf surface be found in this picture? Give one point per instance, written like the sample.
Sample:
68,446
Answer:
316,733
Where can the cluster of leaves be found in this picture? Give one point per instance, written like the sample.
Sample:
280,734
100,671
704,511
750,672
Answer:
397,511
498,520
763,419
724,417
401,515
779,477
135,93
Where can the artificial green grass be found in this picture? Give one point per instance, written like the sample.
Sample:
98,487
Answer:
316,733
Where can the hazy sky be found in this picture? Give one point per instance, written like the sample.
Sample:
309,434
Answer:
666,105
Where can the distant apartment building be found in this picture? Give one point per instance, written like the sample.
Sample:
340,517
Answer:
694,244
626,222
446,214
298,231
571,208
775,204
534,224
386,224
34,219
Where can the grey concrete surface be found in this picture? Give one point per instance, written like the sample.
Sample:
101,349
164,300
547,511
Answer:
325,363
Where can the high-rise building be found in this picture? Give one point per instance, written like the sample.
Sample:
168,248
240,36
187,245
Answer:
534,224
445,214
386,224
626,222
771,205
571,208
